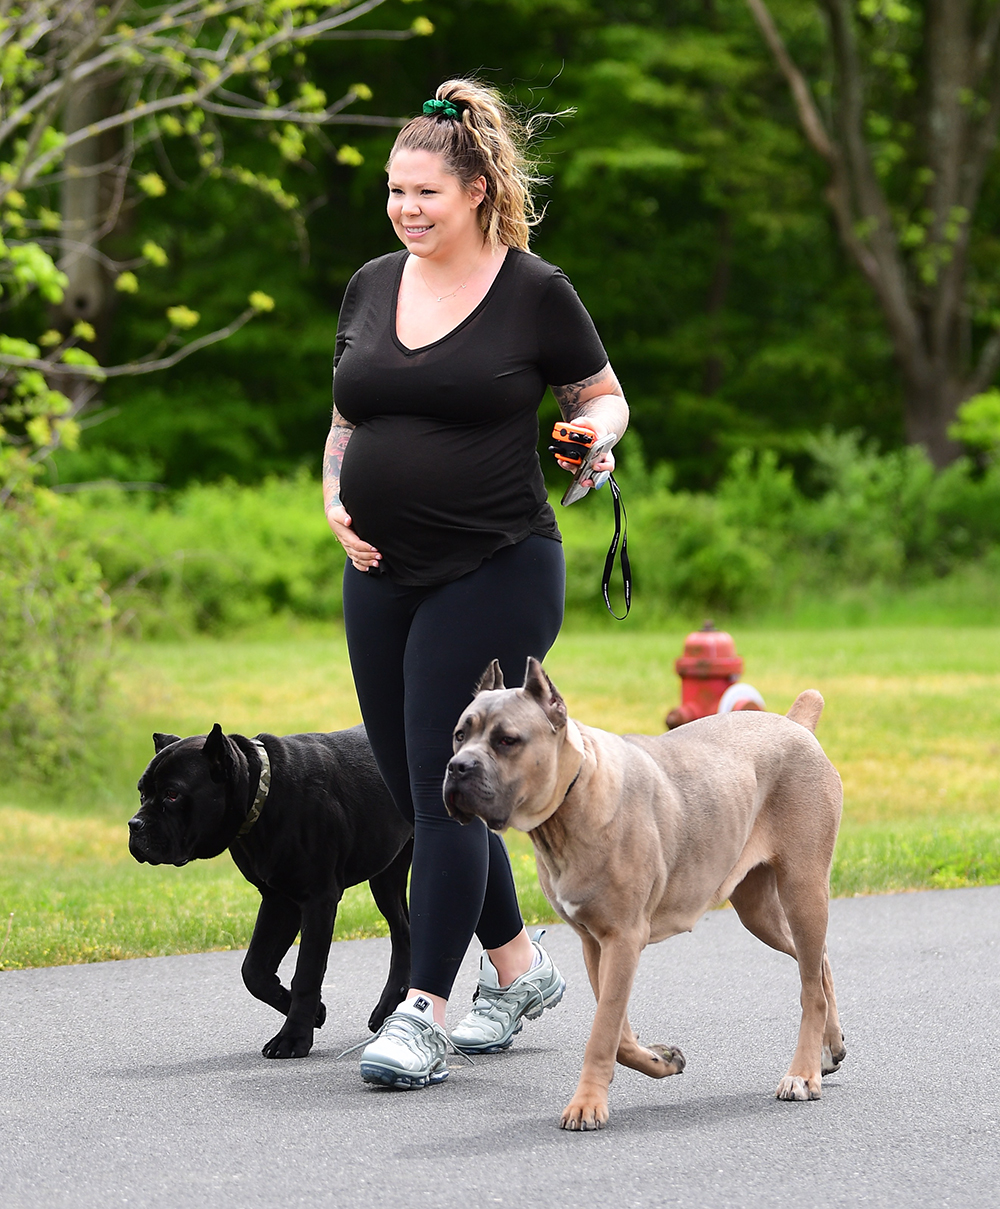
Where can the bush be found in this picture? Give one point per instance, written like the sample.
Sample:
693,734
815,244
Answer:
54,629
860,520
216,557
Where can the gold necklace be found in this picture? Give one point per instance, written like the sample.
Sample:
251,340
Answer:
443,297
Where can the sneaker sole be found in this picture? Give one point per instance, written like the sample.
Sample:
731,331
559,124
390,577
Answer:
505,1042
387,1076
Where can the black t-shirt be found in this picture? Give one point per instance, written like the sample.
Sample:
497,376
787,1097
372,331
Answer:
442,469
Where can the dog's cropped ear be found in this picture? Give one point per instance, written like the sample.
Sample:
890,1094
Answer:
541,689
219,751
490,679
162,741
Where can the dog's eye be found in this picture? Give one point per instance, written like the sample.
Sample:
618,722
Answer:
459,736
508,741
171,795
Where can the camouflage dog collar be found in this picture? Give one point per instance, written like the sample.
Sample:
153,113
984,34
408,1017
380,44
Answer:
263,785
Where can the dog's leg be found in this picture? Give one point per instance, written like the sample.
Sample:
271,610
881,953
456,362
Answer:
806,908
834,1049
592,960
278,923
759,908
757,904
655,1060
619,959
389,891
295,1038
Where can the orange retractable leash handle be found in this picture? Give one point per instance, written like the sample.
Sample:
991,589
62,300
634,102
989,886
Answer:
571,443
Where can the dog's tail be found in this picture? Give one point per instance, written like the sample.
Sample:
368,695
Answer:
806,709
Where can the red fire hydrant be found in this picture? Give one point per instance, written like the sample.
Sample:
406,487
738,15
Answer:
709,670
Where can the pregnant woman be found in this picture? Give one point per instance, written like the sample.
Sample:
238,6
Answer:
432,484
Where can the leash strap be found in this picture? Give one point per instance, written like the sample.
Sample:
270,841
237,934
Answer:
621,534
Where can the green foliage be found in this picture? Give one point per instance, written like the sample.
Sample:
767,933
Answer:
143,78
761,542
683,205
978,423
160,72
54,614
54,631
216,557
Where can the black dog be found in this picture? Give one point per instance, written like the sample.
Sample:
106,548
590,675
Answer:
303,817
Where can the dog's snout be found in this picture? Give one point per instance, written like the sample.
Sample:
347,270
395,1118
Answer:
460,766
136,824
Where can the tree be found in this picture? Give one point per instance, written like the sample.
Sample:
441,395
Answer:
683,203
87,86
908,128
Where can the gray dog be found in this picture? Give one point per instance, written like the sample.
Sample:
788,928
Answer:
636,837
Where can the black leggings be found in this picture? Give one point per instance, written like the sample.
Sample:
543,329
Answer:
417,654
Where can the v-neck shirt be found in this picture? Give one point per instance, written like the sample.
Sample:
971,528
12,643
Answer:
441,469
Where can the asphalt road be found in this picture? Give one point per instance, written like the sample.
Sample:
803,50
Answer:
141,1083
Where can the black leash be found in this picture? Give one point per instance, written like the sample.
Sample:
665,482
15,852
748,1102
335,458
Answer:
621,534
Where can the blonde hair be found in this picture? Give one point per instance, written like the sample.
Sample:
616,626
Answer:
485,140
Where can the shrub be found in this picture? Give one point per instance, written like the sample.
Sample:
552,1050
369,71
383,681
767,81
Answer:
54,629
216,557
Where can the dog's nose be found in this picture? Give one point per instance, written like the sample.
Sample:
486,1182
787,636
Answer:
460,766
136,824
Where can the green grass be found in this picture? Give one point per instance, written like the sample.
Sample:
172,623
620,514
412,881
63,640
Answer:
76,895
912,721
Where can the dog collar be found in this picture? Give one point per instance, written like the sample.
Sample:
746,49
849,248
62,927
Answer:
263,785
569,788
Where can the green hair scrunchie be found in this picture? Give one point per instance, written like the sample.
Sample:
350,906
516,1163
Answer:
444,109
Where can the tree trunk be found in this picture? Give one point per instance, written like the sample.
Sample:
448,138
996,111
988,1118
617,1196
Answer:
82,208
930,405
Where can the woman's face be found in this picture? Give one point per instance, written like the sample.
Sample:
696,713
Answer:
430,209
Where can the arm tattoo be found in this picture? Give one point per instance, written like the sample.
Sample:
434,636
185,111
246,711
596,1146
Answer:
568,396
333,458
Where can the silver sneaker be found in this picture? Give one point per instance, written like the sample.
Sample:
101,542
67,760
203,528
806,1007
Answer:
497,1012
409,1049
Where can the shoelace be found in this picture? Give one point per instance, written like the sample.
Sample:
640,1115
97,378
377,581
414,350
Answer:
495,997
397,1019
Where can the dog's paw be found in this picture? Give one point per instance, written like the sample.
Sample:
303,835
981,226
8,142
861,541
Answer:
385,1007
657,1061
584,1113
289,1044
833,1056
667,1059
320,1015
795,1087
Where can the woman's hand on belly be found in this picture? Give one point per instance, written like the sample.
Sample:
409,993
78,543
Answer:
361,554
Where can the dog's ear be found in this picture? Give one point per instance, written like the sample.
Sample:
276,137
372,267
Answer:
219,751
541,689
490,679
162,741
